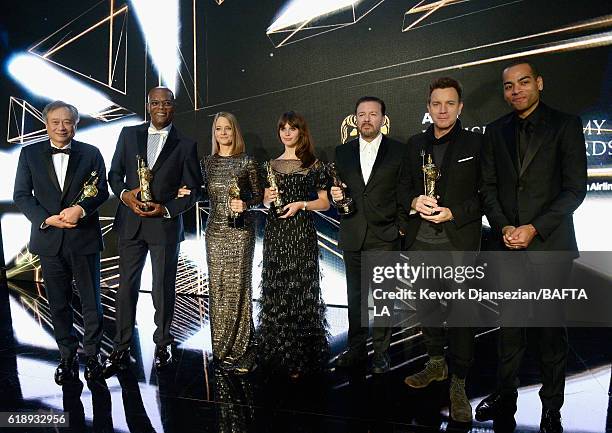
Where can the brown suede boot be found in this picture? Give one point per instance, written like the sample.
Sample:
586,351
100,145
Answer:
435,369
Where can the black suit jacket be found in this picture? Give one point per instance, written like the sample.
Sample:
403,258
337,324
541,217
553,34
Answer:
38,195
176,165
546,188
457,187
381,204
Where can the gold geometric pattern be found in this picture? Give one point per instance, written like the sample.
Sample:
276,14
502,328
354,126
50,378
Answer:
422,10
25,123
102,29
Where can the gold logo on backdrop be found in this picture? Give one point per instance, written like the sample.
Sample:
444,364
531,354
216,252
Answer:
348,129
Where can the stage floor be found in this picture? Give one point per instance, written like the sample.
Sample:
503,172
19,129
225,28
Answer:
195,396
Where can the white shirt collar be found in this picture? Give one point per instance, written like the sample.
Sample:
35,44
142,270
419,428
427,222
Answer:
68,146
166,128
374,143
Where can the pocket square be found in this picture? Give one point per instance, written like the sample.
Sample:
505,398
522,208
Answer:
466,159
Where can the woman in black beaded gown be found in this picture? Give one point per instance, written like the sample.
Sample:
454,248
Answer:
292,324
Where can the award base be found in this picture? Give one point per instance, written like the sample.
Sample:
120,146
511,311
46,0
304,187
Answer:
345,209
147,207
277,210
236,223
437,197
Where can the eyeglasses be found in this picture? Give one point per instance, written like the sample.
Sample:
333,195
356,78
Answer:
166,103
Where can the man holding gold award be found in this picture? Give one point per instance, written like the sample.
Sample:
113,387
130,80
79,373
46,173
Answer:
151,162
445,223
59,186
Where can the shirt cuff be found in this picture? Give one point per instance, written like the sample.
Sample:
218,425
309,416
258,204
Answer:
166,214
43,225
83,213
121,196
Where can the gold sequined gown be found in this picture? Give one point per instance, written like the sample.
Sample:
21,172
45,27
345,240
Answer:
292,324
229,255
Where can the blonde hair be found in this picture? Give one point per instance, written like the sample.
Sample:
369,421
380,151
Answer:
237,140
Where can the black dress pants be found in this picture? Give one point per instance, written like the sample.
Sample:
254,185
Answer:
164,262
551,342
358,300
58,273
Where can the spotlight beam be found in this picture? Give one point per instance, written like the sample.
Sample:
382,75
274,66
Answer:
302,11
163,43
43,79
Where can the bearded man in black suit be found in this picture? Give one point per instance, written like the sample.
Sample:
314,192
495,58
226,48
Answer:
372,169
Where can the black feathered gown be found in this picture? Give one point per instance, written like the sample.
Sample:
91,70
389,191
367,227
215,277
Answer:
292,325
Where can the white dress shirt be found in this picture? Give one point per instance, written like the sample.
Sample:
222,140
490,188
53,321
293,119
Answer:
60,164
367,155
164,136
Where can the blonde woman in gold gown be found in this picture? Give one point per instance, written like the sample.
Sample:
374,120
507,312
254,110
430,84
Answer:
229,249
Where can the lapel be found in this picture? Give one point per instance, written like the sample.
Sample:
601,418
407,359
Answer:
541,133
508,131
47,157
171,142
380,155
73,163
141,141
355,152
450,156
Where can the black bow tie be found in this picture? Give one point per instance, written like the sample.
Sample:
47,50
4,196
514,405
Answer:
55,150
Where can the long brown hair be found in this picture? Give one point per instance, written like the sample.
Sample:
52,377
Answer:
237,141
304,148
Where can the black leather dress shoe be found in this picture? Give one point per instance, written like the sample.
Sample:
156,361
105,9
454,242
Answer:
163,356
350,358
497,406
67,370
117,361
551,421
380,363
93,368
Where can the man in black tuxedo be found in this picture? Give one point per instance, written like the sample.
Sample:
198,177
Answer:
155,227
451,221
66,231
534,177
371,167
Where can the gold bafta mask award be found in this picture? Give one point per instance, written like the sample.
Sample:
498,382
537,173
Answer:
277,204
145,176
89,189
345,206
234,219
431,174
